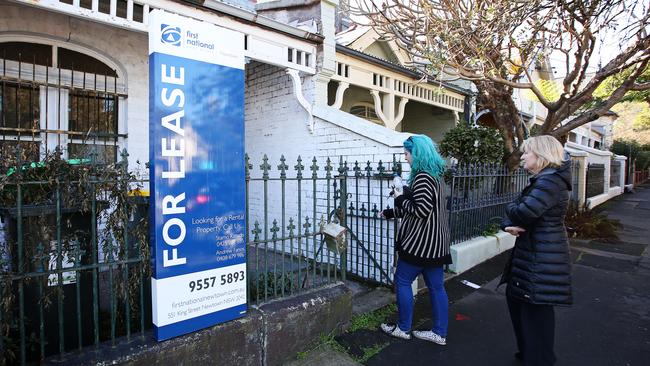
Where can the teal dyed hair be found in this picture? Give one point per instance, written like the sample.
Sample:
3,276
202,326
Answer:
426,158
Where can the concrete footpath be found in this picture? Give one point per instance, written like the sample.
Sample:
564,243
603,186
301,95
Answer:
608,325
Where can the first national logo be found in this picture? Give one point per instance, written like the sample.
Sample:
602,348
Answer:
170,35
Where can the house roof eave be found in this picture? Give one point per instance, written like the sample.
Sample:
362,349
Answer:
254,18
393,67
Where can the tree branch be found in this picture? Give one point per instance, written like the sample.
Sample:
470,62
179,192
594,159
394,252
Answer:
640,87
595,113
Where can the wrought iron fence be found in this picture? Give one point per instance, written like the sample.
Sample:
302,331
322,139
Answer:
575,180
286,208
478,196
74,268
371,254
595,180
284,211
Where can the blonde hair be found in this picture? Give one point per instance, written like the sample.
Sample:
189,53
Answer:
549,151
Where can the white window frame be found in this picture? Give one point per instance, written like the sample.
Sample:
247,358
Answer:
367,106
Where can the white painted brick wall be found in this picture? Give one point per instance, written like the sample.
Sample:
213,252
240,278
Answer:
276,125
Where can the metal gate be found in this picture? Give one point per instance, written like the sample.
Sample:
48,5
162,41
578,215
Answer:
364,194
615,173
595,179
285,209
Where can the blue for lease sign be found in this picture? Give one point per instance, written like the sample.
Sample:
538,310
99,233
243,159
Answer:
196,150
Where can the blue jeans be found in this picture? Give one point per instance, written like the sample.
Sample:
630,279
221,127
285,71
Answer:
433,277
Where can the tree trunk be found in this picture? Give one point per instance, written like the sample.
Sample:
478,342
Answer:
498,99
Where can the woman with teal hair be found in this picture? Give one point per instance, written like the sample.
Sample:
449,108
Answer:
422,241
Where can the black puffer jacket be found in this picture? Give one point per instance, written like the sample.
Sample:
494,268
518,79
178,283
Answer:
540,268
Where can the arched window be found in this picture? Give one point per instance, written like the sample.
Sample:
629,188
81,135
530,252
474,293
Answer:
366,111
52,96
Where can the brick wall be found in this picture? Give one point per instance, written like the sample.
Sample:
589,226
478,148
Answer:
276,125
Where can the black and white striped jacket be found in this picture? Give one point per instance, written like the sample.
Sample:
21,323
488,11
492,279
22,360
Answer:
423,237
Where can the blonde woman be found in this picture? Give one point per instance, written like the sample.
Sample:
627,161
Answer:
539,274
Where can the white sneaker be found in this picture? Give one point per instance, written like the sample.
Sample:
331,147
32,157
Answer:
430,336
394,331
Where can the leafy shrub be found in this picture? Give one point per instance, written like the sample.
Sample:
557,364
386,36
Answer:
492,226
473,145
586,223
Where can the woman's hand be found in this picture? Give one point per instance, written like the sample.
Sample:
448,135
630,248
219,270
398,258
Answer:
515,230
387,214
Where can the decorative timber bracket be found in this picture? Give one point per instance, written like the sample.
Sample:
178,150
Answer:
338,102
391,121
297,91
